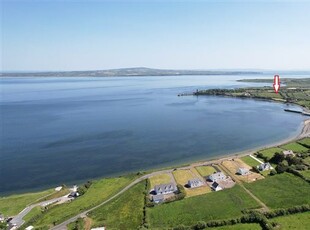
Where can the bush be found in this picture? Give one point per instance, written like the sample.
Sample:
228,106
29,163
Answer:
273,172
200,225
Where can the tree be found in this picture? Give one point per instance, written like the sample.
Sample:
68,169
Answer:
277,158
282,167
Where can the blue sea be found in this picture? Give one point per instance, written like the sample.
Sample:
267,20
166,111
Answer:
68,130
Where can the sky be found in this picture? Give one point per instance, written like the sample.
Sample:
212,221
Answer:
93,35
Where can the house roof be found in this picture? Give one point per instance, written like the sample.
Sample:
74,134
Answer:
194,181
165,187
243,170
288,152
264,165
216,176
215,185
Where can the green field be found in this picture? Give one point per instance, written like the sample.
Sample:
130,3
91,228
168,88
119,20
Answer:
305,141
271,151
213,206
163,178
205,170
295,147
124,212
300,221
239,227
281,191
250,161
97,193
12,205
34,212
305,173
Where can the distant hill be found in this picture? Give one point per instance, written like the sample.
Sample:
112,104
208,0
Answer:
127,72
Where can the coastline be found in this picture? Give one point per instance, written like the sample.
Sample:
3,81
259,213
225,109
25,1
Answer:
303,132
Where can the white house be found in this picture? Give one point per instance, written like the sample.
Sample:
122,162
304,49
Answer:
264,167
217,176
165,188
243,171
216,187
194,183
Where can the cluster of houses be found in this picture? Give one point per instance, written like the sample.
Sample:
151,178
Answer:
162,190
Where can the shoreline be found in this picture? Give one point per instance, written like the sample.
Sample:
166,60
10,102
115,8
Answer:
303,132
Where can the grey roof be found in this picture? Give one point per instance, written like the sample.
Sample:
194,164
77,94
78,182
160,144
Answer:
264,166
164,188
158,198
243,170
216,176
195,180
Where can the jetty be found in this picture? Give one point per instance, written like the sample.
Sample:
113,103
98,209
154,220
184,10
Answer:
297,111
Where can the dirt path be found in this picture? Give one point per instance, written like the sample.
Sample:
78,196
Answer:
263,205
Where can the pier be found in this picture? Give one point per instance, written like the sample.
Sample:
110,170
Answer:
297,111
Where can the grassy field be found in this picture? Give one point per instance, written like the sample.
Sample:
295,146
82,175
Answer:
281,191
306,173
239,227
97,193
216,205
295,147
183,176
76,225
124,212
34,212
250,161
300,221
271,151
205,170
12,205
160,179
305,141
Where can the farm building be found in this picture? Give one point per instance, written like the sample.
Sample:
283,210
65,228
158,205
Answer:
165,188
243,171
216,176
194,183
158,198
264,167
216,186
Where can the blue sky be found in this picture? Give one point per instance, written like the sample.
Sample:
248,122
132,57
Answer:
80,35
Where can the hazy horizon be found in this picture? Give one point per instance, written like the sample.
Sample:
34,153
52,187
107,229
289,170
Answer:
203,35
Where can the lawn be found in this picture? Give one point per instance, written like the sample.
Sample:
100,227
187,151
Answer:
239,227
205,170
250,161
99,191
34,212
213,206
183,176
124,212
12,205
307,160
271,151
164,178
295,147
305,141
281,191
298,221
